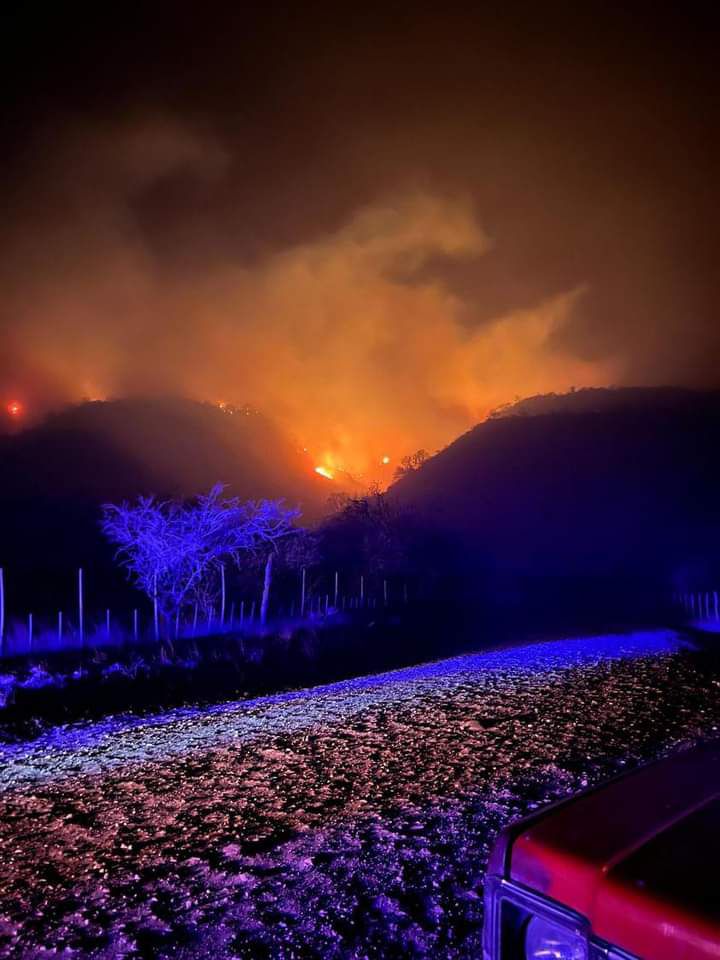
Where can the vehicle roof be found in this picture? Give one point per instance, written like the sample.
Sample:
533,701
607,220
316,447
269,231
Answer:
640,857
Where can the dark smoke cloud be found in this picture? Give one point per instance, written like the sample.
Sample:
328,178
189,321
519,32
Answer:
374,232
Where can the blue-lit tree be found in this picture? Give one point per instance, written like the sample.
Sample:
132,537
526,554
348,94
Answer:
173,550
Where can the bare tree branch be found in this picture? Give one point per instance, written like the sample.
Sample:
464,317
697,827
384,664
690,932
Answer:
175,548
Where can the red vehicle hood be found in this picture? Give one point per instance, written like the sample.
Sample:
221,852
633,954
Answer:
640,858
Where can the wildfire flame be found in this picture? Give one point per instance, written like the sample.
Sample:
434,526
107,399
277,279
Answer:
324,472
14,408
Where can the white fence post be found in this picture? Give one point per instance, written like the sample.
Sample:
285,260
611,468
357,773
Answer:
2,610
81,608
222,595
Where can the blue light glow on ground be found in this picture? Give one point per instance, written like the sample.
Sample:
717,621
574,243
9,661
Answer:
96,746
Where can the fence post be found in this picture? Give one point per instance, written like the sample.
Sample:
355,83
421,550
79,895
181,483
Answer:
30,632
336,590
80,607
2,611
242,613
135,625
222,595
60,628
302,594
195,616
155,610
362,590
385,592
267,580
107,625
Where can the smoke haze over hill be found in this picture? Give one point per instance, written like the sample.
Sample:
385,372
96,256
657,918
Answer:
375,234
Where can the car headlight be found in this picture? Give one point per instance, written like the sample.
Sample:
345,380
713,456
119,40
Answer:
545,940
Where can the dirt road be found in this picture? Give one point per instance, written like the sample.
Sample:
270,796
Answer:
347,821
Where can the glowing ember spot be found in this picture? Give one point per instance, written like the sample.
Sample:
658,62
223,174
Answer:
14,408
386,459
324,472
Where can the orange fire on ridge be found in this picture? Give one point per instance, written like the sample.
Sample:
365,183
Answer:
346,341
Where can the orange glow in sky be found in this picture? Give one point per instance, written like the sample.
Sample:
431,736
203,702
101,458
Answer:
14,408
399,368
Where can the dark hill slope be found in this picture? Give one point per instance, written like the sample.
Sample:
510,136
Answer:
54,477
606,400
626,495
106,451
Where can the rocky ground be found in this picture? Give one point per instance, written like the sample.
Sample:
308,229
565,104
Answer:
350,821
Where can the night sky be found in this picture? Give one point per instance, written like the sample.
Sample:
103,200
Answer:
375,227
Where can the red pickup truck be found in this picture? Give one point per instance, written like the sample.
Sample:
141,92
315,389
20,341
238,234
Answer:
628,870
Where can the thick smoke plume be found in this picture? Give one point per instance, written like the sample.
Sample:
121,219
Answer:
354,339
373,228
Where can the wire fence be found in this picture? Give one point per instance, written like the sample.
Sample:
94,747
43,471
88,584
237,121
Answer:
81,627
701,605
